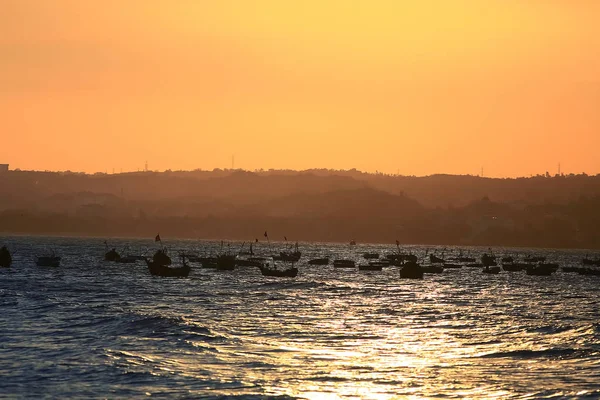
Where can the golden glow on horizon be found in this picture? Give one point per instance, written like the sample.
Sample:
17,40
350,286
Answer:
421,87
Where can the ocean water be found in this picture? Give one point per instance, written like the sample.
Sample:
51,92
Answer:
91,329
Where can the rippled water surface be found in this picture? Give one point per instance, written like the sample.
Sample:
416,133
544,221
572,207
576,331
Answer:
96,329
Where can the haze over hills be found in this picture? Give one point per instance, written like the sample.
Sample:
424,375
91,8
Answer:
313,205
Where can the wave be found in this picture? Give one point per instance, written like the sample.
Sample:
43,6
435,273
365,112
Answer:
568,330
550,329
560,353
553,394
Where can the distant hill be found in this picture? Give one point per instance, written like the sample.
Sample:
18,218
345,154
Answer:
561,211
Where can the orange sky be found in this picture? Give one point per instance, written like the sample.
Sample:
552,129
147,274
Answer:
423,87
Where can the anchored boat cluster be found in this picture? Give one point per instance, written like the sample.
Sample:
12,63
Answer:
283,264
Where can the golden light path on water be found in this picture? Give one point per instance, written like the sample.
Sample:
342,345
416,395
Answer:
370,354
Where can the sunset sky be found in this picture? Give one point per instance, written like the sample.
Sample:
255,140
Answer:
423,87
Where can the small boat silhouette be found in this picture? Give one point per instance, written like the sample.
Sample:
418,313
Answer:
488,260
371,266
514,266
411,270
50,260
226,262
5,257
319,261
112,255
534,259
163,270
161,257
268,269
451,265
432,269
344,263
371,256
435,259
540,269
491,270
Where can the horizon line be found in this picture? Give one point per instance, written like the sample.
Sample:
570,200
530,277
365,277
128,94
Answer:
299,171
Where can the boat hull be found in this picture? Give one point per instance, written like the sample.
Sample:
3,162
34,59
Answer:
162,270
371,267
226,262
344,264
432,269
5,257
319,261
411,271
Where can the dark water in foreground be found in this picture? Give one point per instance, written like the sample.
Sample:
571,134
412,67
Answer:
94,329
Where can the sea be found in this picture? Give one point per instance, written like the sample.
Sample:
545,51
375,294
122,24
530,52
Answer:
94,329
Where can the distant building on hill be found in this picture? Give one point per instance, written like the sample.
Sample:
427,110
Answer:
3,168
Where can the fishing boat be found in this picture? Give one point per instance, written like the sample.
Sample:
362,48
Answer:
514,266
289,273
409,257
5,257
432,269
50,260
549,265
452,266
161,257
464,259
194,258
383,263
319,261
371,256
589,271
491,270
534,259
111,255
250,261
226,262
247,262
374,266
488,260
289,256
435,260
399,259
166,271
539,270
589,261
570,269
127,260
411,270
208,262
242,252
268,268
344,263
397,262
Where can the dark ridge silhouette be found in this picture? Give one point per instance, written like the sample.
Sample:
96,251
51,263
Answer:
324,205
